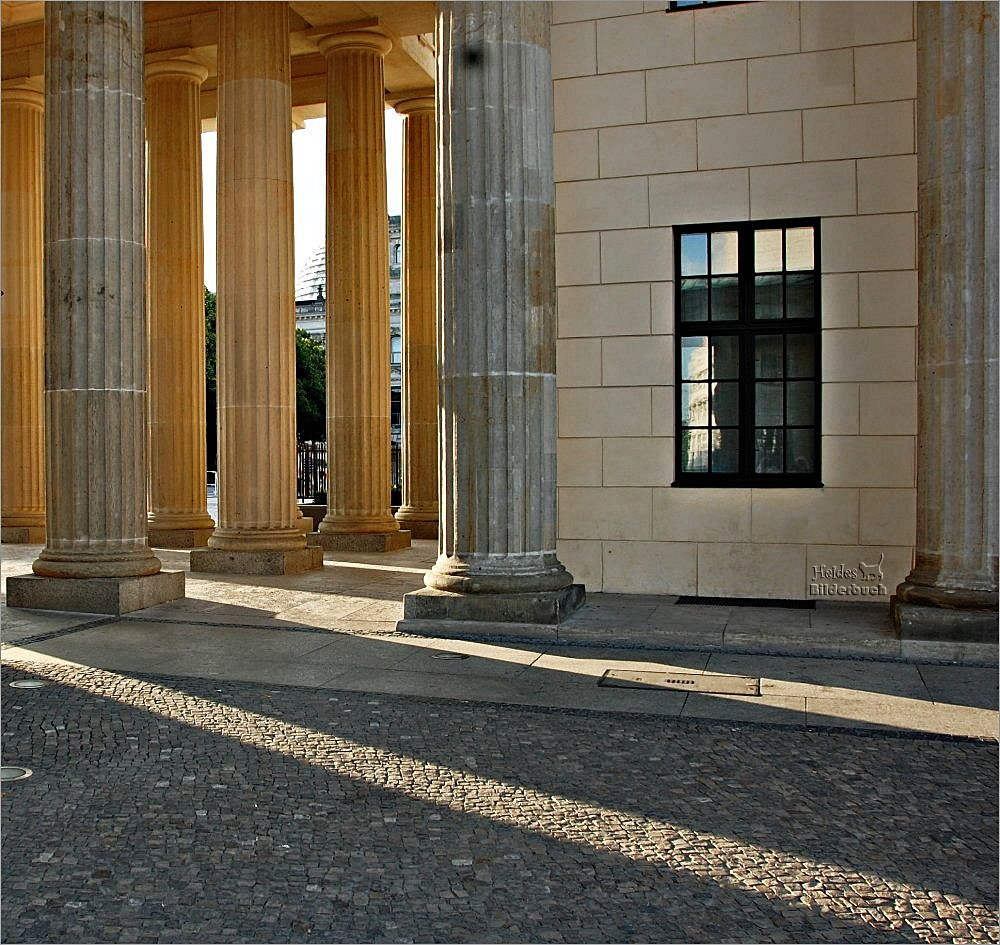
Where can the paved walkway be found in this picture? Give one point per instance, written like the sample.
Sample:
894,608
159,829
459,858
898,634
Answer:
267,761
177,809
837,665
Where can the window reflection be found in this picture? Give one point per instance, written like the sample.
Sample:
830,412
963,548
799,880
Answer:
694,254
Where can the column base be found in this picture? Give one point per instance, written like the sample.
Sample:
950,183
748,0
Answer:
94,595
418,528
431,610
22,534
305,524
923,622
365,541
221,561
161,536
316,512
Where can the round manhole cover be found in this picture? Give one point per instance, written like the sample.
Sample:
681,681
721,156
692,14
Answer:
14,773
29,683
450,656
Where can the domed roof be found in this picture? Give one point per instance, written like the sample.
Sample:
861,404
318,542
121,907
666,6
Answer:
312,276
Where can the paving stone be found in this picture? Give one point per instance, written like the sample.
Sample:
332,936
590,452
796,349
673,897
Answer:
184,809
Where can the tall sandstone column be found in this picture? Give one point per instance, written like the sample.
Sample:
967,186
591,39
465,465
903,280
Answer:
419,511
496,324
178,500
951,592
257,531
357,307
23,485
96,556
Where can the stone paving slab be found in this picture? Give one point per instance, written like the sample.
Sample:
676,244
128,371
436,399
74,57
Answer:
963,685
785,710
841,693
811,676
186,810
362,592
911,714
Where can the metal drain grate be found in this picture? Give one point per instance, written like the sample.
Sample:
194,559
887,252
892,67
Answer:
14,773
29,683
749,602
681,682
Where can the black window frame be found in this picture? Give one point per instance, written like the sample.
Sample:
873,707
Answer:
674,7
746,328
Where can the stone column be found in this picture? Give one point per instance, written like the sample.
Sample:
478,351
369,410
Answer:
178,500
95,324
496,324
257,531
23,483
357,308
951,593
419,511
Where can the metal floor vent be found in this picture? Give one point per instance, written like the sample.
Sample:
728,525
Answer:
681,682
749,602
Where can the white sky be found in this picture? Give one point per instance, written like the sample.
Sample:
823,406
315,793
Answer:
309,186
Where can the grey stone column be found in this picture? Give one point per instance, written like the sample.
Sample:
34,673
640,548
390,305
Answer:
95,325
952,590
496,322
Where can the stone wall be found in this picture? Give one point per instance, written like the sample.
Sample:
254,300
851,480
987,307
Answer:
730,113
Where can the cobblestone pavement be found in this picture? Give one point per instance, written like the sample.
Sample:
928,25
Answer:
186,810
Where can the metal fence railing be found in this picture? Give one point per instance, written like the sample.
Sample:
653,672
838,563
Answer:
312,465
311,470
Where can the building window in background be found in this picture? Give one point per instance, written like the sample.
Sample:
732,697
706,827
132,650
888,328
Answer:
747,303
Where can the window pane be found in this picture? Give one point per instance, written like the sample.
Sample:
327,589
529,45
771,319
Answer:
725,299
694,254
694,358
800,455
799,249
694,405
694,451
725,253
769,404
725,356
768,297
799,356
694,300
725,451
768,450
799,406
726,404
767,250
767,356
800,295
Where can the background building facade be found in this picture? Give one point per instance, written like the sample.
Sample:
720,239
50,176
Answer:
719,115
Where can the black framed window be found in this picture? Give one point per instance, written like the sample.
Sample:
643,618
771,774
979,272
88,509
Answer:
747,303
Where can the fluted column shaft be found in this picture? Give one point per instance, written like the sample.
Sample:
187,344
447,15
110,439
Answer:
357,319
496,321
957,439
23,484
419,511
178,502
256,307
95,324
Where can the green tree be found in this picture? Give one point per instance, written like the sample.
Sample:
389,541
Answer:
211,398
310,384
310,387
